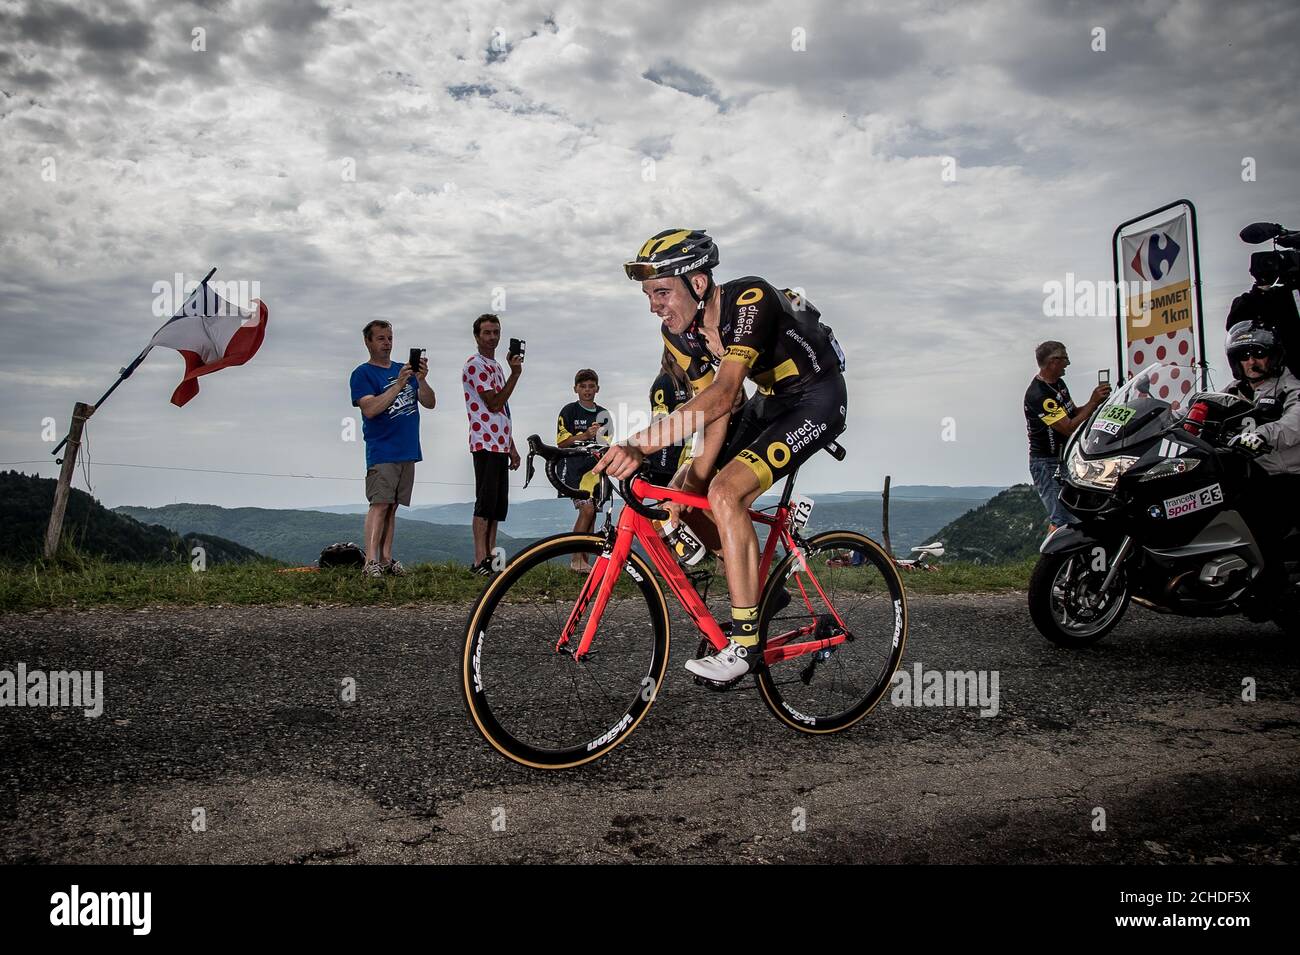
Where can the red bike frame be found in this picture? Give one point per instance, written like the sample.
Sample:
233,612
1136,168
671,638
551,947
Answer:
633,526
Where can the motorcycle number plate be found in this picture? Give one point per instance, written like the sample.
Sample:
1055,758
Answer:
1109,427
1186,503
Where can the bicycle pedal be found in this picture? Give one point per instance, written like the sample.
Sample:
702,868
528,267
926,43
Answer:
717,687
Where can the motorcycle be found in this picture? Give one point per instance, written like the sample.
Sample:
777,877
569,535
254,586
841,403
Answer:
1159,497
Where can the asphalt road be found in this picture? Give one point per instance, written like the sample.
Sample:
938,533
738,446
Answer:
237,712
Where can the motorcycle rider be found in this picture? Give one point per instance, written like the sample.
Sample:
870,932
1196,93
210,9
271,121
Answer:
1257,359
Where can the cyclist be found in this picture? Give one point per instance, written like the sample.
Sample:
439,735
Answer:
721,334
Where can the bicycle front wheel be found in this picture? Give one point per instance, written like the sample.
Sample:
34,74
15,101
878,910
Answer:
842,633
526,693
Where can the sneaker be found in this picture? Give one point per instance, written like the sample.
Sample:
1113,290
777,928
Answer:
483,568
373,568
395,568
730,663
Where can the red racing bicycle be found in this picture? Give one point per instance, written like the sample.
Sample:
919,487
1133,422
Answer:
559,668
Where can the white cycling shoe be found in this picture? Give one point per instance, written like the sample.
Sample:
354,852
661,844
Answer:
730,663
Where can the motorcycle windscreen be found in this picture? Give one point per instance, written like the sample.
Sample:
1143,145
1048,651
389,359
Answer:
1135,413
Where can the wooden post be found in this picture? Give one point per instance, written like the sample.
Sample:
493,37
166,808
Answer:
80,412
884,517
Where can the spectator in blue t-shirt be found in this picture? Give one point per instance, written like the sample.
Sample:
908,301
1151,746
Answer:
388,400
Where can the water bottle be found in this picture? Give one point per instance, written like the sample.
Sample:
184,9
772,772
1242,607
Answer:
683,545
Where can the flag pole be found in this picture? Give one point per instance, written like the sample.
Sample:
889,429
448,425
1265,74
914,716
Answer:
81,412
125,373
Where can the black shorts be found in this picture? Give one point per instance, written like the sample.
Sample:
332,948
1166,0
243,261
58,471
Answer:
491,485
774,434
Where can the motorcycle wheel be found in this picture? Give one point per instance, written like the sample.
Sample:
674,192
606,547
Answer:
1058,589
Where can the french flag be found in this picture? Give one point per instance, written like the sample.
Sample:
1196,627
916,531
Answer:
211,333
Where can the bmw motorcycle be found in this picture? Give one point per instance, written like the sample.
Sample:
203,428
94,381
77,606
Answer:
1158,494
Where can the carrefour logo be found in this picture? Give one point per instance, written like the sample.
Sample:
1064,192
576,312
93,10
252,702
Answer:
1160,256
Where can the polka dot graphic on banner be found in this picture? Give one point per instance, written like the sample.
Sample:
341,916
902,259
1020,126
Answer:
1176,347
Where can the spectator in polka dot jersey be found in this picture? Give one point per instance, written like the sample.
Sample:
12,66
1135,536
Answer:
1051,417
487,404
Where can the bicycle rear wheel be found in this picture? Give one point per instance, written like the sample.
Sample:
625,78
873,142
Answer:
530,698
858,604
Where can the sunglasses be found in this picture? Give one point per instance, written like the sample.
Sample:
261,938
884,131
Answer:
1256,353
639,271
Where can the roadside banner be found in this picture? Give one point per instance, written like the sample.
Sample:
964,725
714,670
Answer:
1158,283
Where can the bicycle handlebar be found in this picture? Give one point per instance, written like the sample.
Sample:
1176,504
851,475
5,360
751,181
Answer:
551,454
632,501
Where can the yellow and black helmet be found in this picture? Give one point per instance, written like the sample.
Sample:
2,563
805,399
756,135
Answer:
673,252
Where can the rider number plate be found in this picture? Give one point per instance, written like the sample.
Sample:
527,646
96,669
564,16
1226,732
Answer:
1186,503
1109,427
800,510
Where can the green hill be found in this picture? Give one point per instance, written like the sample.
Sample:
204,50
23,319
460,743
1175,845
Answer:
913,510
909,520
25,502
1009,527
300,536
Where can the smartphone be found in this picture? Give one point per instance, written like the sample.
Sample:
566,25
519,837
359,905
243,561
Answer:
1103,376
415,359
516,348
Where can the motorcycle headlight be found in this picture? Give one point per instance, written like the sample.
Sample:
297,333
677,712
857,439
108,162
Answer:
1101,474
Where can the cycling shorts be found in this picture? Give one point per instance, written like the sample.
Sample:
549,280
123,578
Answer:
774,434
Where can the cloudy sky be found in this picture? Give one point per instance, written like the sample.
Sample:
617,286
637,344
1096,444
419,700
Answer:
417,162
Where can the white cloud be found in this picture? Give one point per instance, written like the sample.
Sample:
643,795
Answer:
819,168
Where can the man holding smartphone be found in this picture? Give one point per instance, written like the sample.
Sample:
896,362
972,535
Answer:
388,395
1050,418
491,443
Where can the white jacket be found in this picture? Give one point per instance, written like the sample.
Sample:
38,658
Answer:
1278,400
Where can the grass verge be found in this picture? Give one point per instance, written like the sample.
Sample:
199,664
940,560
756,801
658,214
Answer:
79,582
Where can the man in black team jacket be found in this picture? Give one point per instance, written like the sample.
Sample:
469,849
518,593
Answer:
719,335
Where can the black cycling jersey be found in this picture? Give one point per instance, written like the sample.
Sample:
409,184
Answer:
572,420
1044,406
778,336
667,394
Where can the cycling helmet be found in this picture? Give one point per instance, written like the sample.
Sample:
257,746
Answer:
1247,337
676,252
